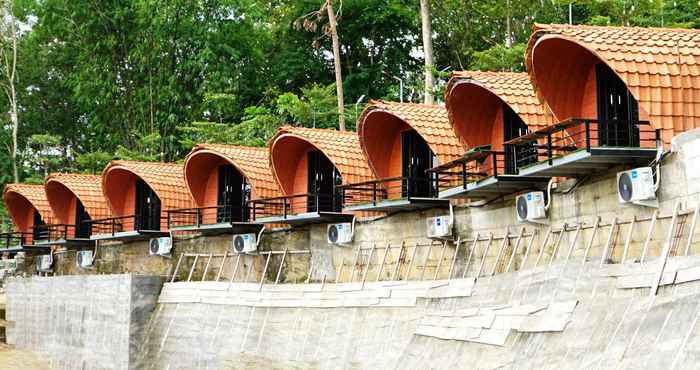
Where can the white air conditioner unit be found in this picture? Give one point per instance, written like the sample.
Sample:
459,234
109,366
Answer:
531,207
637,186
160,246
44,263
339,233
439,227
245,243
84,259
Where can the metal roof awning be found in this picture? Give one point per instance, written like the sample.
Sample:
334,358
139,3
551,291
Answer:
584,162
129,235
70,242
220,228
403,204
306,218
495,186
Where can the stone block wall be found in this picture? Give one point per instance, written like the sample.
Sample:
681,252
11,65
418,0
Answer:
81,322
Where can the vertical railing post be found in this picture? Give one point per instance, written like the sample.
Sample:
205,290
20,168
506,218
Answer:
284,207
587,125
549,148
374,193
464,175
495,164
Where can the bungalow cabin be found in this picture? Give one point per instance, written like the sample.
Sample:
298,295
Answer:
618,92
139,194
310,166
29,210
401,142
75,200
223,179
486,109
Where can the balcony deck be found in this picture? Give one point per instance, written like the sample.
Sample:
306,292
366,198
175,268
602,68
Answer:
573,148
391,195
210,221
294,210
481,174
113,229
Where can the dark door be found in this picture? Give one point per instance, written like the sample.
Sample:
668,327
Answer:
233,194
147,207
416,159
516,155
39,232
82,227
618,111
322,180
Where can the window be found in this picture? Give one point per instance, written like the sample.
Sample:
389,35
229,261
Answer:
233,194
516,155
322,178
416,159
82,227
147,215
618,111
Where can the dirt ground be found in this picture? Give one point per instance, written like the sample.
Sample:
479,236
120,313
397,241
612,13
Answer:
16,359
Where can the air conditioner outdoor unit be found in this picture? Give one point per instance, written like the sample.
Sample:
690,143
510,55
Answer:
44,262
637,186
245,243
160,246
530,207
84,259
340,233
439,227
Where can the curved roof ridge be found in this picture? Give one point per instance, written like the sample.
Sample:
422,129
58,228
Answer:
429,120
341,147
513,88
660,66
87,188
166,179
252,162
34,194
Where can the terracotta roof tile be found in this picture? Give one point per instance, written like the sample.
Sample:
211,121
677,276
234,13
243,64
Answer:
253,163
513,88
166,179
430,121
341,147
657,64
35,194
87,188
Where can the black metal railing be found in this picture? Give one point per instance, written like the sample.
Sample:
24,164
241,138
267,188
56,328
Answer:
375,191
13,239
581,134
54,232
196,217
288,205
474,165
111,225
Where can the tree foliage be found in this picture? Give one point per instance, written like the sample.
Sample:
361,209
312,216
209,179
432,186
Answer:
147,79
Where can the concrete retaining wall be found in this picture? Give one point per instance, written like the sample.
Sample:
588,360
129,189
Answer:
81,322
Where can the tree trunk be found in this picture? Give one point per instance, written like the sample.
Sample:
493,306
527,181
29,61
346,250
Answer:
427,50
11,91
509,32
336,62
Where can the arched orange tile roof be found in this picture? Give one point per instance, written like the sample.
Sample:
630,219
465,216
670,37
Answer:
166,179
512,88
660,66
341,147
253,163
14,195
87,188
430,121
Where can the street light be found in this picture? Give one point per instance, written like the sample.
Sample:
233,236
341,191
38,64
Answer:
362,97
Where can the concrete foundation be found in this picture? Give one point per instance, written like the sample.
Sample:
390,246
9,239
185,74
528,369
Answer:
81,322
